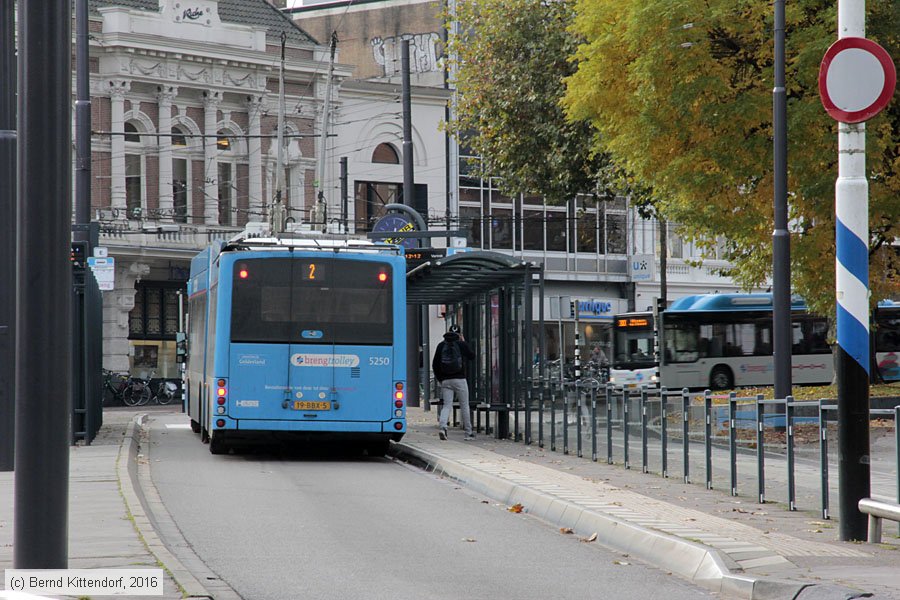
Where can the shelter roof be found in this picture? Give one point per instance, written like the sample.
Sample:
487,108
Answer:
464,276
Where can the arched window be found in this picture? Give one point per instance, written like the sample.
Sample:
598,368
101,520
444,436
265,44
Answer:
222,142
134,172
226,174
178,137
386,154
131,133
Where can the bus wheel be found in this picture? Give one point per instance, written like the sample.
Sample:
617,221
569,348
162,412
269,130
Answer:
195,426
721,378
217,444
379,448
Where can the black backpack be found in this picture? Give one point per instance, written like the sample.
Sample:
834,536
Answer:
451,358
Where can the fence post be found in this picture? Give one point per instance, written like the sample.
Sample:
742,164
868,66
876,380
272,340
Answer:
707,436
644,461
528,396
565,418
663,431
789,428
625,424
578,412
594,422
897,451
609,442
732,440
552,416
760,449
686,433
541,412
823,456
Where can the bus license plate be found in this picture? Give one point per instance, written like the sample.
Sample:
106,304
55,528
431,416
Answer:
307,405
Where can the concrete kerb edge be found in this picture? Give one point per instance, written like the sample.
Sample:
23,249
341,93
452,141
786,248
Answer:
698,564
127,472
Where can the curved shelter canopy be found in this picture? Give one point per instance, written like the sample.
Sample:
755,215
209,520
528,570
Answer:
464,276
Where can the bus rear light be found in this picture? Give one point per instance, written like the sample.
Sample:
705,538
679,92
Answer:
398,395
398,385
220,422
220,392
398,403
220,400
398,413
221,383
220,410
398,425
382,277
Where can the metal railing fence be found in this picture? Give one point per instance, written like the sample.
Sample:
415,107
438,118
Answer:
734,441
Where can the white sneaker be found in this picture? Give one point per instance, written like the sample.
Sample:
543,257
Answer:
442,433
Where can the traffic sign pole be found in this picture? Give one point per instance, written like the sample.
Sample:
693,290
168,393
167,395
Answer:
856,81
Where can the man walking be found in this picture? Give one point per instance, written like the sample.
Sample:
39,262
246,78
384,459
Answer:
450,370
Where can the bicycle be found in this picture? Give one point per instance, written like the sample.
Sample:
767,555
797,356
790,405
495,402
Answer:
115,384
137,392
165,391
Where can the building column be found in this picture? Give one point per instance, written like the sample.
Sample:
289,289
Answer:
117,90
255,105
166,203
211,169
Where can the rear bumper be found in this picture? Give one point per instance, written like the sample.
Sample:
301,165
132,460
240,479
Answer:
313,426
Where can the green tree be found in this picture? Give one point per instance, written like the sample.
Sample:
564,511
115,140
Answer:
511,57
680,92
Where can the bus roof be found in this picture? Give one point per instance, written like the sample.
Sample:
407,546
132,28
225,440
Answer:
311,243
742,302
730,302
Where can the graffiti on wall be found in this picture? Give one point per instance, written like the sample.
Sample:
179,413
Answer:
423,52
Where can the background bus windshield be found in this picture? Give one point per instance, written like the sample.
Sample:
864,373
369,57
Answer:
633,344
312,301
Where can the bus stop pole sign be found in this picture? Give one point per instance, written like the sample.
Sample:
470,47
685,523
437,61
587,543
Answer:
856,80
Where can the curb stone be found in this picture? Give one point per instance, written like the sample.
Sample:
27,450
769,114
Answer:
127,467
697,563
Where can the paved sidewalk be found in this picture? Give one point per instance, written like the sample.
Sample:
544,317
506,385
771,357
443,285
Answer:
727,544
108,527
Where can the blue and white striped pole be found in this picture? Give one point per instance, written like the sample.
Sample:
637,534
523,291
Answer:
852,281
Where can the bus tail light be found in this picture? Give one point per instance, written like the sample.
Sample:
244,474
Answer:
221,391
398,425
398,394
220,422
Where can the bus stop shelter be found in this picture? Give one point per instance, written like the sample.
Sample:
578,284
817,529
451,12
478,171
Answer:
490,295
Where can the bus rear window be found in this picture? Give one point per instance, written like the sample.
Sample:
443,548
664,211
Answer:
312,301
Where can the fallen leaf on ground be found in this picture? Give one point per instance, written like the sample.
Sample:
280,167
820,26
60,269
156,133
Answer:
469,540
516,508
565,530
592,538
621,562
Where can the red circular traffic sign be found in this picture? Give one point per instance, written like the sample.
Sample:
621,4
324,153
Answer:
856,79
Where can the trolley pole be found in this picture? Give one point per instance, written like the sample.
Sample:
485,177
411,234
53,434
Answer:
44,314
852,211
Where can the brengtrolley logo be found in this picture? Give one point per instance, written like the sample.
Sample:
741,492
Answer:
325,360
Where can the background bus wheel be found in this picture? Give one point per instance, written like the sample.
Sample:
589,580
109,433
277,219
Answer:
721,378
195,426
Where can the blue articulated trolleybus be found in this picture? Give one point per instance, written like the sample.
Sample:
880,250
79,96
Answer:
297,338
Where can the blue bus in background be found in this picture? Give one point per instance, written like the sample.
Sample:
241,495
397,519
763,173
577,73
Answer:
297,338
